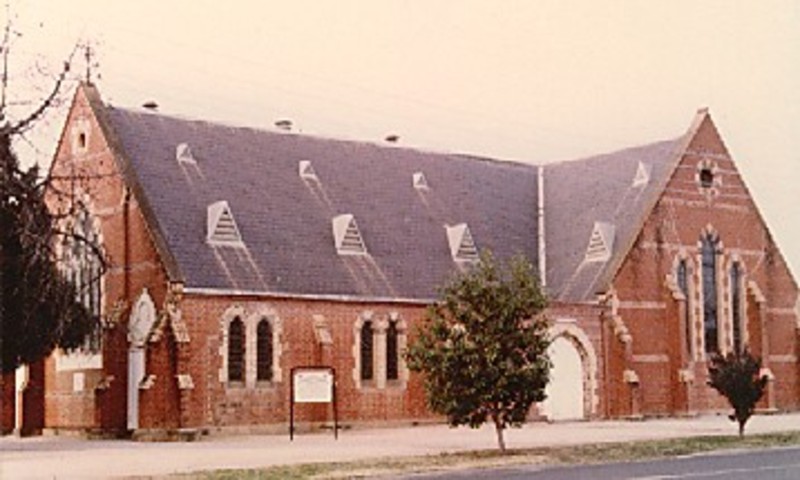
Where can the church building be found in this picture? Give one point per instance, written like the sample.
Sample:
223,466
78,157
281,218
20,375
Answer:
237,254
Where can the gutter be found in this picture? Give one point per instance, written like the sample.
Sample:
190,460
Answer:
304,296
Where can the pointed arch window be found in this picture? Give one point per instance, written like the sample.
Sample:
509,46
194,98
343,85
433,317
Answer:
83,269
736,305
236,350
264,351
366,351
683,285
392,360
710,319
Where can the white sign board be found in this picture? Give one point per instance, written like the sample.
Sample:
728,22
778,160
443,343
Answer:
313,386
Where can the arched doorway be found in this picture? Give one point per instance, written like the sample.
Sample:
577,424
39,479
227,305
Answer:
142,318
565,392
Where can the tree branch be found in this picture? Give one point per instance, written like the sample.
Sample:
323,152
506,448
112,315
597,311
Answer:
27,122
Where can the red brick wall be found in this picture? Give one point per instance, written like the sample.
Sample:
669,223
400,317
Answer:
133,264
650,311
7,401
213,403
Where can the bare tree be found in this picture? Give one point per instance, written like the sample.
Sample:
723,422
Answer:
40,307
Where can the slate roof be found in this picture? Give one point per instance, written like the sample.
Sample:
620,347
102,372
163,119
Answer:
285,221
581,192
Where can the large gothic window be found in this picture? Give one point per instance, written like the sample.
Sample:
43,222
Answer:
264,351
736,305
391,352
366,351
683,285
710,320
82,267
236,350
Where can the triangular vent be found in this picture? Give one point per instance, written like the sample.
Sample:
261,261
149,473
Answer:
601,242
346,236
642,176
419,181
306,170
221,226
462,245
184,154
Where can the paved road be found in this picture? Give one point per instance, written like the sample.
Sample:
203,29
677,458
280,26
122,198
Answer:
67,458
771,464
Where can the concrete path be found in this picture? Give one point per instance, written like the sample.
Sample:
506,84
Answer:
58,457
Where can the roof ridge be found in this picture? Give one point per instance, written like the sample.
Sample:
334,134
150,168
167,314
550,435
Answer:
615,152
450,155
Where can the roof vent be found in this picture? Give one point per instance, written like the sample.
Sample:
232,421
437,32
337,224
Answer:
419,181
306,170
462,246
184,154
601,243
642,176
346,235
284,124
222,229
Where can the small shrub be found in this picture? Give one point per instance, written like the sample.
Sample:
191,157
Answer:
737,377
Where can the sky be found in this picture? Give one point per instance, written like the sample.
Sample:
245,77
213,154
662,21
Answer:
533,81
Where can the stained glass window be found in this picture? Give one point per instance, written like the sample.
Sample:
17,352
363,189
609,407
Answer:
236,350
391,352
710,321
264,351
683,285
366,351
736,305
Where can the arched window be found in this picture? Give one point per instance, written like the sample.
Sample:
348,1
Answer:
83,268
683,285
710,321
236,350
736,305
366,351
391,352
264,351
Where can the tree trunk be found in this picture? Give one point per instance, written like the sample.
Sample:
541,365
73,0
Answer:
741,427
499,427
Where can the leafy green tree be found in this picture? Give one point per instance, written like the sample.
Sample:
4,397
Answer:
737,376
483,348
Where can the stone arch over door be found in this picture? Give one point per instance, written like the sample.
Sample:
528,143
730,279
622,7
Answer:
572,391
143,316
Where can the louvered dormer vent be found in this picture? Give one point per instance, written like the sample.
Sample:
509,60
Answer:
346,236
462,245
601,243
222,229
306,170
419,181
642,176
183,154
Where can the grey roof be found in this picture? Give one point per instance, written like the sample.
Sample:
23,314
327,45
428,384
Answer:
285,221
598,189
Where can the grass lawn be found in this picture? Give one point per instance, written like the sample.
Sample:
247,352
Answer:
582,454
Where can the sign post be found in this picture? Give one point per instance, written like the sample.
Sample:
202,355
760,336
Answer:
313,384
